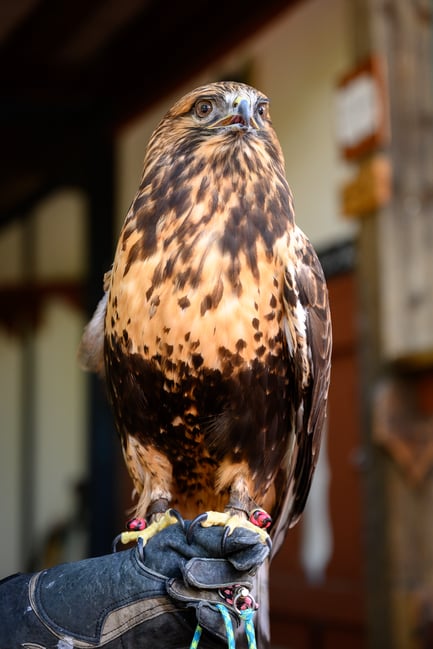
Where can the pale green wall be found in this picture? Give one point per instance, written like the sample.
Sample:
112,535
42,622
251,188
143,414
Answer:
304,55
57,235
10,381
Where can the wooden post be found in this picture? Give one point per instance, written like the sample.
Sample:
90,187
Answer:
103,442
377,564
395,275
379,622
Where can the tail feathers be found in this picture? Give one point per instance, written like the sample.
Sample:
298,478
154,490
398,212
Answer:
91,349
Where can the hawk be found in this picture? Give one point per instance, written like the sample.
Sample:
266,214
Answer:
214,333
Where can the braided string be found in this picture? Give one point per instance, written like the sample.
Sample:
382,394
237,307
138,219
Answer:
228,625
196,637
247,617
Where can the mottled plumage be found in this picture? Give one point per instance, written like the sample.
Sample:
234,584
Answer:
216,323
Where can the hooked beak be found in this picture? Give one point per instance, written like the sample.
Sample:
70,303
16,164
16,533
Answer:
242,113
241,116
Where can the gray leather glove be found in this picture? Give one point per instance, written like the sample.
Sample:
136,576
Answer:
151,596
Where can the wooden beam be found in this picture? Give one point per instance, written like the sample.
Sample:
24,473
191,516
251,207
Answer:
21,306
143,64
379,608
43,33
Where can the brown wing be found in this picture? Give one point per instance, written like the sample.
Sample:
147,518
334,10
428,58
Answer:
309,337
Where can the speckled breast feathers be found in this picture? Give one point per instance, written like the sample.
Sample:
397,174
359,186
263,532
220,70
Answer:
216,321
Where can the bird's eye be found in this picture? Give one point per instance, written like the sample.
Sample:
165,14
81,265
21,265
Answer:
261,110
203,107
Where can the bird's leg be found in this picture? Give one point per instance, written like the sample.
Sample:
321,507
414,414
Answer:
248,508
157,509
151,473
241,503
240,511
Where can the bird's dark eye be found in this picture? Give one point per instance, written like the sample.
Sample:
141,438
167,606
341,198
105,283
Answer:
261,110
203,107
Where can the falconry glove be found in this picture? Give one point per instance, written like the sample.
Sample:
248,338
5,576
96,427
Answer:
152,595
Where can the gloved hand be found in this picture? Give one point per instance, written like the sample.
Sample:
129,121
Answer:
149,596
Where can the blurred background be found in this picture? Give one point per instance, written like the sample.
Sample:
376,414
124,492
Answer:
82,86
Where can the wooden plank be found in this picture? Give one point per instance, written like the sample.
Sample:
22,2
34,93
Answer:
406,227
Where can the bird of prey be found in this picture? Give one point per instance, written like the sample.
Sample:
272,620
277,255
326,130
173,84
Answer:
214,333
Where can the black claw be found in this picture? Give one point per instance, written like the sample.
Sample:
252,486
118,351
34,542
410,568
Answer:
224,539
179,517
196,521
115,543
140,548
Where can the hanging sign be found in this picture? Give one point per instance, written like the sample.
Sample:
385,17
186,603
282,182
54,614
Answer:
362,109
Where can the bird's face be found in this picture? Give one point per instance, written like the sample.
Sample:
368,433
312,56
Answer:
240,109
222,107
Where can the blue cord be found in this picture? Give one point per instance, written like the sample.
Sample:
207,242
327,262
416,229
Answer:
196,637
228,624
247,617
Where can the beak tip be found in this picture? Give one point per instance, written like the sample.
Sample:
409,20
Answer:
244,111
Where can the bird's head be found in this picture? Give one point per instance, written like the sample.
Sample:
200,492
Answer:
224,106
211,129
223,111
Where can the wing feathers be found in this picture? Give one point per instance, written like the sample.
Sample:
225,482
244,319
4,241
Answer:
308,329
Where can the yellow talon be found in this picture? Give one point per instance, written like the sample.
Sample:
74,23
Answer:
166,519
231,521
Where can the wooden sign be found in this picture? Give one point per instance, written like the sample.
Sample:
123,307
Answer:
370,189
362,118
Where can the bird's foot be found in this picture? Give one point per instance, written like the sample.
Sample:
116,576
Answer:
137,528
230,521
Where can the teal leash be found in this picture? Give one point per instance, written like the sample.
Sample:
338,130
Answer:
196,637
228,625
250,631
247,617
